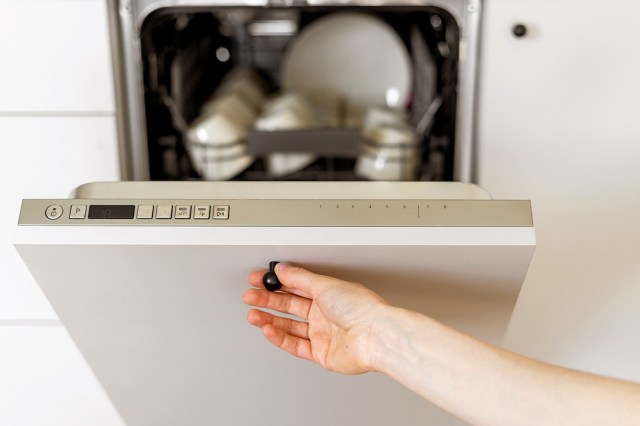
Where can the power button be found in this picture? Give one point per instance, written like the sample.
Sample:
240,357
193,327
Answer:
53,212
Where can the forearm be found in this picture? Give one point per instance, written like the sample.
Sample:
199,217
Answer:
483,384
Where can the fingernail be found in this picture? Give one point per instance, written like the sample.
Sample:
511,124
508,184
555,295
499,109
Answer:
280,266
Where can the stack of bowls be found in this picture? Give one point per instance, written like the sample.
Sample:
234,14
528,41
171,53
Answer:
216,139
390,150
288,111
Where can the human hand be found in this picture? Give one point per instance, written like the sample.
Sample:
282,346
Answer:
340,318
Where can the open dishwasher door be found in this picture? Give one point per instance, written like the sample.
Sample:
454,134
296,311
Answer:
148,278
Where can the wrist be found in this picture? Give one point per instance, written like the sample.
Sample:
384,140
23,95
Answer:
384,337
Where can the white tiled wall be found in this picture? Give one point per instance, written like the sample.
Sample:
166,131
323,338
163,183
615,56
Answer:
57,130
53,57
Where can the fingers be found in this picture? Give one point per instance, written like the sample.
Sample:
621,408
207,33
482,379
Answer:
255,279
287,334
282,302
300,279
297,280
289,326
292,344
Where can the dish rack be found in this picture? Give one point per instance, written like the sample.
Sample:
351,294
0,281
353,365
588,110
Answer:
185,53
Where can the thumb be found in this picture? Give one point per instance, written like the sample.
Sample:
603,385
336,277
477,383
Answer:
302,280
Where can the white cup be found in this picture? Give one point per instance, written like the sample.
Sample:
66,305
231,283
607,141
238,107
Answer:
338,112
247,84
217,127
216,146
283,101
287,112
390,136
305,112
389,153
251,93
284,119
376,117
375,165
219,163
215,140
234,105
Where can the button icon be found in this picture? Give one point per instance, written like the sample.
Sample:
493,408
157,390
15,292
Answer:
183,212
201,212
221,212
53,212
78,212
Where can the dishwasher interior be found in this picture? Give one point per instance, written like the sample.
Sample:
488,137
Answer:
336,93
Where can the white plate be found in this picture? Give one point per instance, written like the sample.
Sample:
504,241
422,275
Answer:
351,56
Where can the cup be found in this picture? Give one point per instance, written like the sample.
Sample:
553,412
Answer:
217,127
376,117
287,111
220,163
215,140
336,111
234,105
215,144
251,93
389,153
246,83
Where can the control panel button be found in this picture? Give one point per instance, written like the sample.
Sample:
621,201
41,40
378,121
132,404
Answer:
183,212
201,212
164,212
53,212
78,212
221,212
145,212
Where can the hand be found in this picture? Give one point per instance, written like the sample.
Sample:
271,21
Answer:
352,330
340,318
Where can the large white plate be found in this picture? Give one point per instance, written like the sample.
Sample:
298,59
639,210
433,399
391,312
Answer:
352,57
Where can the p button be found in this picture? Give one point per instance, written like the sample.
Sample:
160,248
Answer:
77,212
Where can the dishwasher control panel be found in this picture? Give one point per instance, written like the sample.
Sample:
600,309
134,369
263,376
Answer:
142,211
277,212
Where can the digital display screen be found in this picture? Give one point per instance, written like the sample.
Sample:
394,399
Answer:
111,212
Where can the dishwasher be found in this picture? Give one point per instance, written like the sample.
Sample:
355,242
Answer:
333,135
319,89
147,277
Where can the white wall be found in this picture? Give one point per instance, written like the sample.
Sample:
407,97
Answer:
560,125
57,130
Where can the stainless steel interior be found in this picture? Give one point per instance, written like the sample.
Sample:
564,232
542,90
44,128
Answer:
167,69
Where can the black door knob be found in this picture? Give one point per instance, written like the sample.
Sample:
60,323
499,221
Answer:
270,279
519,30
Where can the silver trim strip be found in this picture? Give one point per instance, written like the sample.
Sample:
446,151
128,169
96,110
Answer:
464,165
132,100
333,212
126,169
